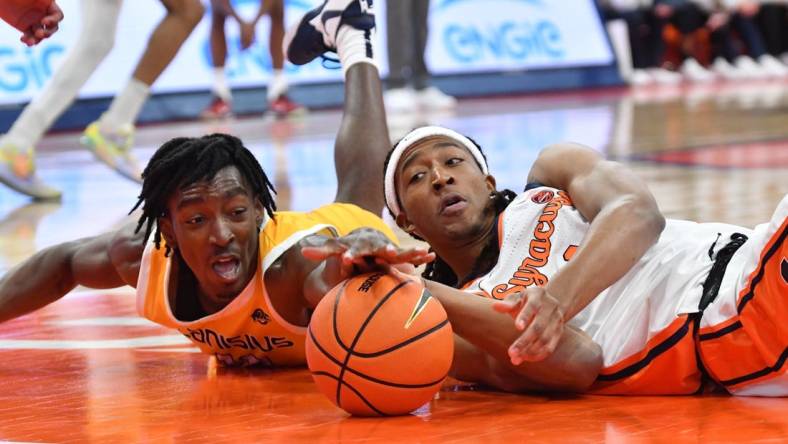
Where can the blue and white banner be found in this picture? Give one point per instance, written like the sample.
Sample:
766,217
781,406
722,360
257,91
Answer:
500,35
465,36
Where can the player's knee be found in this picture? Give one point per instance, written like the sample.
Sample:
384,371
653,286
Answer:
194,12
96,46
190,11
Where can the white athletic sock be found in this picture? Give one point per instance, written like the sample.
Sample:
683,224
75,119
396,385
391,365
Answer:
125,106
277,86
220,88
354,46
96,38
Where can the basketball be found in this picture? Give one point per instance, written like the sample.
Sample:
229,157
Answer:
379,345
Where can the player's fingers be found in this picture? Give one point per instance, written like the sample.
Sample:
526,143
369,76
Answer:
366,247
323,250
49,30
54,12
429,257
28,38
531,307
52,20
553,343
534,327
548,332
511,304
413,256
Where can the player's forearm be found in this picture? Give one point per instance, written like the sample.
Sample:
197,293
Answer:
618,237
40,280
573,366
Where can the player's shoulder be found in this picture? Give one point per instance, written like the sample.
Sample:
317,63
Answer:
125,251
534,194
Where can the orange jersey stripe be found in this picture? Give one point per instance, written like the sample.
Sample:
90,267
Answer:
667,365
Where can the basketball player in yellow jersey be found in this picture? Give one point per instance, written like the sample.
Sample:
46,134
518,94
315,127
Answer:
210,256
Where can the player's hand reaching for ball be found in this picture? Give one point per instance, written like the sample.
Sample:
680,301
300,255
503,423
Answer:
541,319
363,250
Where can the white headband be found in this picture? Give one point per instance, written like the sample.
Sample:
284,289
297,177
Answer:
415,136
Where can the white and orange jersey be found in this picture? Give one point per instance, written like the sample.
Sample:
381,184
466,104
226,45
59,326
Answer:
249,331
643,315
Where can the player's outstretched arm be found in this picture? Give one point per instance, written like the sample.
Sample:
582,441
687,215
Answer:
483,355
625,222
106,261
317,263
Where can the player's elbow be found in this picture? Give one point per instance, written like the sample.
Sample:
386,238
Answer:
584,368
579,371
644,215
653,222
189,11
64,258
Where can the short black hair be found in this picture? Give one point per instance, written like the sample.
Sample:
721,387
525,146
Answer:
183,161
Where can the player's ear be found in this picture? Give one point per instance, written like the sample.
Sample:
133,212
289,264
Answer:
490,182
406,225
259,213
165,228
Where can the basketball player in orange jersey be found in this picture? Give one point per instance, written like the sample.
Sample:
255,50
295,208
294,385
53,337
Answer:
673,304
45,17
226,270
278,101
111,137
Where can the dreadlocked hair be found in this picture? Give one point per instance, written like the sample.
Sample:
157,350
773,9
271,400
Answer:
183,161
440,271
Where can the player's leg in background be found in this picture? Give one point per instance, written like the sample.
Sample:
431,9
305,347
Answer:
221,102
17,147
363,138
428,97
278,100
111,137
347,27
401,39
421,76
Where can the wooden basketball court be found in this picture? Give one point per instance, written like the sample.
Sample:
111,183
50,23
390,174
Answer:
88,369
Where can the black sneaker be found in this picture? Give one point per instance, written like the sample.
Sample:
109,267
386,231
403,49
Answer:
315,34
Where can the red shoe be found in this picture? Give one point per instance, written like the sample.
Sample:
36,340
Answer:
217,109
283,107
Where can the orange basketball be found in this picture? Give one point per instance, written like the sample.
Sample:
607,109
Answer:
379,344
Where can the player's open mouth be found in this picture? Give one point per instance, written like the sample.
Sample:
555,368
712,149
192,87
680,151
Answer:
452,204
227,267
